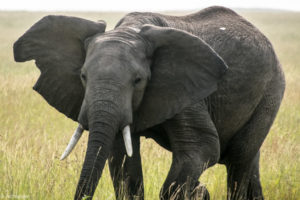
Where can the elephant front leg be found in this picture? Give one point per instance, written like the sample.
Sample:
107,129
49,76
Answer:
182,180
195,146
126,172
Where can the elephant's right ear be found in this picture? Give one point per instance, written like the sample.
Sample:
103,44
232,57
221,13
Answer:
184,70
56,43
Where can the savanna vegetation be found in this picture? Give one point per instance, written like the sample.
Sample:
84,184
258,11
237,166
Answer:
33,135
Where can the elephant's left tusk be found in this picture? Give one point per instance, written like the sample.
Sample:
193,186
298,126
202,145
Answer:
127,140
76,136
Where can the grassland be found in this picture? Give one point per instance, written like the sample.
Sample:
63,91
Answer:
33,135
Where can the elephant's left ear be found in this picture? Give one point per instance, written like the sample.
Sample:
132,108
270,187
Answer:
56,43
184,70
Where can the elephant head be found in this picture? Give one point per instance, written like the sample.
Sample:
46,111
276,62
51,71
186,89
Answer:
108,81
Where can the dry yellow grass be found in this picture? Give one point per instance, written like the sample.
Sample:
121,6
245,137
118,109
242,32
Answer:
33,135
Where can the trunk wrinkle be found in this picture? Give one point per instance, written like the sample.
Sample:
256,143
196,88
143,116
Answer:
103,126
109,105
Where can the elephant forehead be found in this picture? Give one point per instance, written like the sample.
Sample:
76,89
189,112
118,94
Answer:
112,59
113,47
110,40
115,50
123,36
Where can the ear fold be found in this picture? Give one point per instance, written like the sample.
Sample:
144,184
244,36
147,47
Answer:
184,70
56,43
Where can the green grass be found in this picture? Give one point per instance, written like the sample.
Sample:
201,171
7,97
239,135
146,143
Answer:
33,135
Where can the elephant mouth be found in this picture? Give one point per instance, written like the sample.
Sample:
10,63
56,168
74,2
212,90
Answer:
78,133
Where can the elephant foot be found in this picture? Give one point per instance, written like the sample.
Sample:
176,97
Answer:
185,192
200,193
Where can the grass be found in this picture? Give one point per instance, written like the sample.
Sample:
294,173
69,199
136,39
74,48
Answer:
33,135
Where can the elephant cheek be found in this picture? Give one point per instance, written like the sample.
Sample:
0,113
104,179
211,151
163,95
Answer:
137,99
82,117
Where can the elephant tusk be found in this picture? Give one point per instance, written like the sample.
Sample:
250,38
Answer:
127,140
76,136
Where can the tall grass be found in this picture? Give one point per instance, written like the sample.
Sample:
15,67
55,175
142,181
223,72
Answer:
33,135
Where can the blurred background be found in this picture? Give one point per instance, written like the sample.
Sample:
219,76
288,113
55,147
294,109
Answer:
137,5
33,134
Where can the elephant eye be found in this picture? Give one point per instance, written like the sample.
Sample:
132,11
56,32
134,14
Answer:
83,77
137,80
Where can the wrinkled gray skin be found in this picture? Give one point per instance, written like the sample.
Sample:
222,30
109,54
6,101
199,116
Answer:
206,86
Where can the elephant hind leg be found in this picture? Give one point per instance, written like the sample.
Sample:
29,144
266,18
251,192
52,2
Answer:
243,181
254,190
241,156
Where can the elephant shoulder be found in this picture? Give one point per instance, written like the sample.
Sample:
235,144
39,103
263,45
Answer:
213,12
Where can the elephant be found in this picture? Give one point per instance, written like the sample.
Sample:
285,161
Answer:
205,86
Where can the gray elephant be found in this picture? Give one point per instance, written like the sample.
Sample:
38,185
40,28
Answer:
205,86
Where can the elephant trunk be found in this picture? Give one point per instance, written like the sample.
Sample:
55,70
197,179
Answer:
104,123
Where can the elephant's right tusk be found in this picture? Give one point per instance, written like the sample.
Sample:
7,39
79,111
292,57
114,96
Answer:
76,136
127,140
